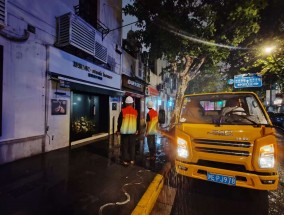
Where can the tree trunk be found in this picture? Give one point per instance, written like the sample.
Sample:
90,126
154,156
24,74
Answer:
189,73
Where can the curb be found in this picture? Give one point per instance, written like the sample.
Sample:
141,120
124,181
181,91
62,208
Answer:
148,200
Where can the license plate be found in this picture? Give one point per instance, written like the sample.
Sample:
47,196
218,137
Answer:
223,179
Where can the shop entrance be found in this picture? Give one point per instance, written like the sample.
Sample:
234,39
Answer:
85,115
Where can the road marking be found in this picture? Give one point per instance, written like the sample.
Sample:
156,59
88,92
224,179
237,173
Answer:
148,200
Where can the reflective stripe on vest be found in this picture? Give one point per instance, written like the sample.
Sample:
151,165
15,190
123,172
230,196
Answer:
153,123
129,120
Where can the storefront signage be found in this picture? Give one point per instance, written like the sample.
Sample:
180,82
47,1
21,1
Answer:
134,84
130,83
151,91
68,65
92,72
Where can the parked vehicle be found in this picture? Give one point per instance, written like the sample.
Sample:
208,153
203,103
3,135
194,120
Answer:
227,138
277,119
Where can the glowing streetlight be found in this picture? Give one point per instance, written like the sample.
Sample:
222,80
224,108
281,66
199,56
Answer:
269,49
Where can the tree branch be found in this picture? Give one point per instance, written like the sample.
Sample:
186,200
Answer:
188,64
196,71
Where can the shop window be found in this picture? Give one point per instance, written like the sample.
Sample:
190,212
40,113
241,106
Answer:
84,116
89,115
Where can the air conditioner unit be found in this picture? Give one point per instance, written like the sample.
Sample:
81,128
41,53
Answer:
3,13
100,52
74,31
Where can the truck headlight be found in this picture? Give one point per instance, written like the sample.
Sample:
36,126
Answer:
266,157
182,150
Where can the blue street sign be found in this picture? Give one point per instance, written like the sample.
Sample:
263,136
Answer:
247,80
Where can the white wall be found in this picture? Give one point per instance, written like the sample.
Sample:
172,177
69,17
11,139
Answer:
109,13
58,125
128,63
25,88
25,65
39,13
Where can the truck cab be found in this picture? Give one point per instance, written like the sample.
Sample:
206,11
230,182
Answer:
227,138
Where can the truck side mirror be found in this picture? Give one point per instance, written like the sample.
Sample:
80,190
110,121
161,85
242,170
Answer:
162,116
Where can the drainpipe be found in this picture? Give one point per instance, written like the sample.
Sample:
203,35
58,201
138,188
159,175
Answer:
46,127
113,120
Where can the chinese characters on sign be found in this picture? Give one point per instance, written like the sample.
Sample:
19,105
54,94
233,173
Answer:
247,80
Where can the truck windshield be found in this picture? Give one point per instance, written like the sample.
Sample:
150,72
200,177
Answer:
230,109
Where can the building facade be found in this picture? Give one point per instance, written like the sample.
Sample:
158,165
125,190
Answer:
60,73
133,79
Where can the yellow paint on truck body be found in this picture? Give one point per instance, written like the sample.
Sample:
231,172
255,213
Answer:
228,145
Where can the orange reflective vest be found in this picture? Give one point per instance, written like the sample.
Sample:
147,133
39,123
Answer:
153,123
129,120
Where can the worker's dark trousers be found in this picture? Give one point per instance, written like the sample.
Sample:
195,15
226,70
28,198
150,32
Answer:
128,147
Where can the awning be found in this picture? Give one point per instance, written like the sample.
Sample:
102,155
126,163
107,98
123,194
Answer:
137,95
87,87
151,91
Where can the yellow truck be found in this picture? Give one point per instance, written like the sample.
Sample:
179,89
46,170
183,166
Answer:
227,138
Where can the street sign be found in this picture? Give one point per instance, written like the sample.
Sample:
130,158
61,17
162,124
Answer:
247,80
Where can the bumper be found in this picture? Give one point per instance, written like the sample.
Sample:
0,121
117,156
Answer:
243,179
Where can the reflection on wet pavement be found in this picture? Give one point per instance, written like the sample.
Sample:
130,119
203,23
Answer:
84,180
164,151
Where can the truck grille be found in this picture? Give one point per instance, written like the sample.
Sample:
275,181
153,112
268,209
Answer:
223,143
221,150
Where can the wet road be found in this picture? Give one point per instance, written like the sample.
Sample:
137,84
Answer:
74,182
197,197
81,181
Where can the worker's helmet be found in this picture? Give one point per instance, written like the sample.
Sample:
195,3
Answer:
129,100
150,104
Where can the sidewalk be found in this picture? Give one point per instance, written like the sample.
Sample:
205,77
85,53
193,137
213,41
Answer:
83,180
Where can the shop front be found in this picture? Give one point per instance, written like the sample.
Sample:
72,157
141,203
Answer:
90,93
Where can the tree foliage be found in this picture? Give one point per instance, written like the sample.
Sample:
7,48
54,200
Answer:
254,59
194,35
211,79
169,27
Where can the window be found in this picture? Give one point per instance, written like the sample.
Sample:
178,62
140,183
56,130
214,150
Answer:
87,10
225,109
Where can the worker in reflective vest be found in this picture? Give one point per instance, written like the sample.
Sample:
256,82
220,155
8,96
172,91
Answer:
127,128
151,129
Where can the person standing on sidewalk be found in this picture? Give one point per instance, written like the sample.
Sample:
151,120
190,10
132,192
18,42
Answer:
151,129
127,128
